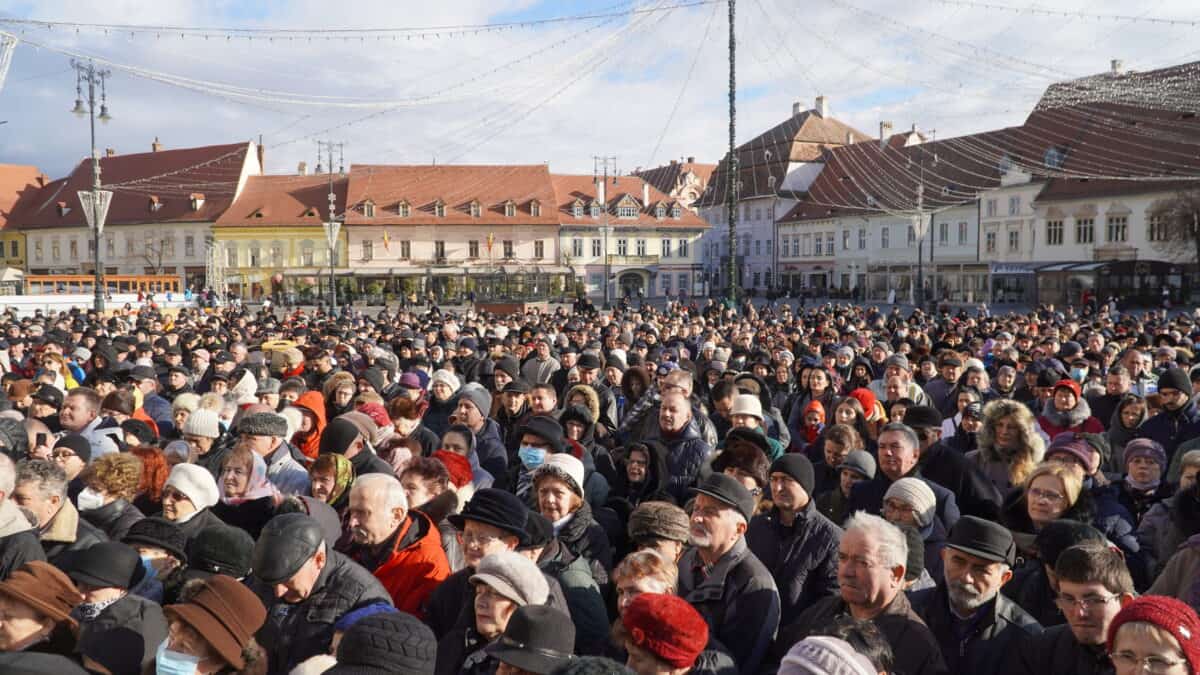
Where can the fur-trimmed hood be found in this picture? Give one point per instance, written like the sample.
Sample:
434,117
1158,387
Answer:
1030,438
1067,419
593,398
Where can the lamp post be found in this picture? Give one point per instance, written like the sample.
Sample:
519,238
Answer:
95,202
333,226
600,177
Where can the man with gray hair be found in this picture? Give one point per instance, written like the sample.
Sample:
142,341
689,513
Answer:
900,457
18,540
977,627
871,562
41,489
401,547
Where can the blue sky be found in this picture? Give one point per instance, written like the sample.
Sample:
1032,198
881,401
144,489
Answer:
559,93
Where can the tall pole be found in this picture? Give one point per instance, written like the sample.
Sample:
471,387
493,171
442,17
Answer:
87,72
731,190
333,227
600,166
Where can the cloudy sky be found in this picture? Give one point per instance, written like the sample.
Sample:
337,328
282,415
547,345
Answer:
646,86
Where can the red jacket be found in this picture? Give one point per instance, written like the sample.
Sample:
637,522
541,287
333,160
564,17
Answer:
416,565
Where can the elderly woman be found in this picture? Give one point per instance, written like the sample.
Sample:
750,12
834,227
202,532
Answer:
641,475
183,405
1067,410
1143,484
111,483
1173,521
202,638
1155,634
330,478
432,490
558,488
1009,444
36,603
443,389
248,498
188,497
503,582
910,501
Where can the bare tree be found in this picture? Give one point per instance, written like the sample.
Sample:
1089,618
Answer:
155,253
1180,222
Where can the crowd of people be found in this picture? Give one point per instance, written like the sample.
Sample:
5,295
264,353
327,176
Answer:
699,489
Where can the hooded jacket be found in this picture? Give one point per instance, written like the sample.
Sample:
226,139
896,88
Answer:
309,442
1054,421
1118,435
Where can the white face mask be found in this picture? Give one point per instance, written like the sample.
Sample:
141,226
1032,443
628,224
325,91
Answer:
89,500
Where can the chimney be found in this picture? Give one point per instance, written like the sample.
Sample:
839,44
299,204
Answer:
849,138
600,197
885,132
197,199
691,159
156,146
109,152
795,108
822,107
645,195
1117,66
262,157
302,168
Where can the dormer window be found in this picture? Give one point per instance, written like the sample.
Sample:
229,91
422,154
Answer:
311,212
577,209
595,210
676,212
660,211
155,203
63,209
439,209
404,210
510,209
535,208
627,209
476,210
369,209
771,182
1054,158
870,200
197,200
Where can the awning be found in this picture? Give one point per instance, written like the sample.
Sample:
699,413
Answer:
1057,267
1013,268
11,274
1088,267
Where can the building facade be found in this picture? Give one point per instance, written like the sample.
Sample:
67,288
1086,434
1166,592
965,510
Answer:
681,181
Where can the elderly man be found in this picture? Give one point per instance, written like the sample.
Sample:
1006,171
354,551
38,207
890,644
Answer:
41,489
899,457
118,629
723,579
897,365
474,406
80,414
686,449
18,539
306,587
264,434
542,366
871,563
795,542
975,624
939,388
401,547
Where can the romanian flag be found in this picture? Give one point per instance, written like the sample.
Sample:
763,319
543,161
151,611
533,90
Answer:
386,242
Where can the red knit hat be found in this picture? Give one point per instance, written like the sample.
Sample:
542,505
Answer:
376,412
866,398
1169,614
666,626
458,466
1066,383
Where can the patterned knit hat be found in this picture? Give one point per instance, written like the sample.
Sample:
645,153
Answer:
667,627
658,520
1169,614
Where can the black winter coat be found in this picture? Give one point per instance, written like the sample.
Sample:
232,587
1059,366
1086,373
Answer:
58,552
867,496
17,549
973,490
737,598
584,537
1030,589
296,632
131,624
1057,651
802,558
1001,629
114,518
250,516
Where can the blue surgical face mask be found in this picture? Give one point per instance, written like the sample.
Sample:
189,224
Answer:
148,565
1079,374
167,662
531,457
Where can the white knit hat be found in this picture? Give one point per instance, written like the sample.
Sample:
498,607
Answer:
562,465
747,404
447,378
202,422
917,494
196,483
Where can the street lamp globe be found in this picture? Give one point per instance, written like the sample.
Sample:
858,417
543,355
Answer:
79,110
104,116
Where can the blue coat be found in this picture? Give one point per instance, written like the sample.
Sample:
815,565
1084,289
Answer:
1171,429
489,445
686,452
867,496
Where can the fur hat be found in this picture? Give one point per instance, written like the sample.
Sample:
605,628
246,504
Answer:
263,424
658,520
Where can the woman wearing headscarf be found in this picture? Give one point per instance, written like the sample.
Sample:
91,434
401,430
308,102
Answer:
248,498
330,478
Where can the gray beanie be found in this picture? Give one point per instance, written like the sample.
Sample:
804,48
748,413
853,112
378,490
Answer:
478,396
514,576
263,424
824,655
860,462
915,493
202,422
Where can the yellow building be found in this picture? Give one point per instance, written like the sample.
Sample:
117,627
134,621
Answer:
18,185
271,240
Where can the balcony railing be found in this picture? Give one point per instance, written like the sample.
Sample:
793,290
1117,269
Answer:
633,259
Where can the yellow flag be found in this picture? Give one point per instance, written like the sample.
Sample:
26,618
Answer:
386,242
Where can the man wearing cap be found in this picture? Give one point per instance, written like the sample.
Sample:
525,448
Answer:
306,587
1179,420
723,579
589,368
795,542
265,434
974,491
897,365
401,547
977,626
117,629
512,413
538,640
939,388
542,366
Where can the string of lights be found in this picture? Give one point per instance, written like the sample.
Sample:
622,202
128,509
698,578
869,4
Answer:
1034,10
700,45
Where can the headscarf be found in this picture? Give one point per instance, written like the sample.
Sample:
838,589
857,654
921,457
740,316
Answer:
260,486
343,476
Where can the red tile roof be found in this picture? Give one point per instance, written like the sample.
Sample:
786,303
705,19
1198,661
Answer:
456,187
284,200
665,178
582,188
801,138
171,176
19,184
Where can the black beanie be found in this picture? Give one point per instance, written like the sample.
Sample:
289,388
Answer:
798,468
1175,378
338,435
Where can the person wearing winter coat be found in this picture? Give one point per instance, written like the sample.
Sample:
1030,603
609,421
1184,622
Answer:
1143,484
579,425
686,449
307,438
1067,411
642,475
19,542
474,402
41,489
793,540
976,495
111,483
1033,587
1127,417
1179,420
585,603
772,420
248,498
1010,446
899,457
118,630
443,400
558,489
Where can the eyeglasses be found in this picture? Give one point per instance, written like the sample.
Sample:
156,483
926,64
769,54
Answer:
1127,661
63,453
482,540
1038,494
174,495
1089,602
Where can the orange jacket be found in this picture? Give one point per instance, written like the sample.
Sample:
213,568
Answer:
310,443
415,567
